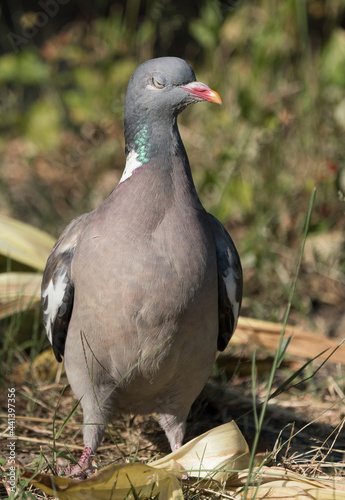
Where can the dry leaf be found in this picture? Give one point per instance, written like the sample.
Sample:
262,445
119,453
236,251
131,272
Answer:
204,456
293,490
24,243
277,483
115,481
214,454
43,367
19,292
304,344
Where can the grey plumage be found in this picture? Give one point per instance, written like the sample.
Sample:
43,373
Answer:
139,294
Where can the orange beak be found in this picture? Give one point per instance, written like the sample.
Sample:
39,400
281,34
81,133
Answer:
202,92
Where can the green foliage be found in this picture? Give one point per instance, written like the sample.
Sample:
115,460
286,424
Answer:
24,68
43,124
332,60
206,29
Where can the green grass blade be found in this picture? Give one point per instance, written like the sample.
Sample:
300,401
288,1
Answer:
278,357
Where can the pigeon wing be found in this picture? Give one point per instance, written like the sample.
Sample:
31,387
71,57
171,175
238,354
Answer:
57,291
230,283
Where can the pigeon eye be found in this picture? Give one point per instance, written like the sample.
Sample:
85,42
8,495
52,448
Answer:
157,84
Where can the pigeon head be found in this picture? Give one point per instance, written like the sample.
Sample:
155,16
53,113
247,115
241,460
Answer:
158,91
164,87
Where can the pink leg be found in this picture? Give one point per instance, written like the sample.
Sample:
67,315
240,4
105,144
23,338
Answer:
82,469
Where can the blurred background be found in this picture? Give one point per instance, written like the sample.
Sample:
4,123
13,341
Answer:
280,69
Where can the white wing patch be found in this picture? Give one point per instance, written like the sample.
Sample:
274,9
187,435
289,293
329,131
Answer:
231,289
132,164
54,293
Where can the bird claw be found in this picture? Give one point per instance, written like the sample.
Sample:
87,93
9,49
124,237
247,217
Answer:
82,469
76,472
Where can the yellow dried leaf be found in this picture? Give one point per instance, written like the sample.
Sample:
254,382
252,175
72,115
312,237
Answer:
43,367
206,456
281,490
214,454
18,292
277,483
24,243
115,481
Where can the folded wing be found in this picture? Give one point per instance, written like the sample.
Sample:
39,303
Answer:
230,284
57,291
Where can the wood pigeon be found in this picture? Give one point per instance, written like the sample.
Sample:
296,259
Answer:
139,294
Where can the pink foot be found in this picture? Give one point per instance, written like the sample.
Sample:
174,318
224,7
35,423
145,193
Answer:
82,469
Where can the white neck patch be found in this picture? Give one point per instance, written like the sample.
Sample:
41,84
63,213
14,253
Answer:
132,163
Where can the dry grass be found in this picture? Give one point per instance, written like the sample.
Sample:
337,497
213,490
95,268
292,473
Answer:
303,428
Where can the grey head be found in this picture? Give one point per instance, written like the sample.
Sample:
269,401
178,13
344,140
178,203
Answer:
158,91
